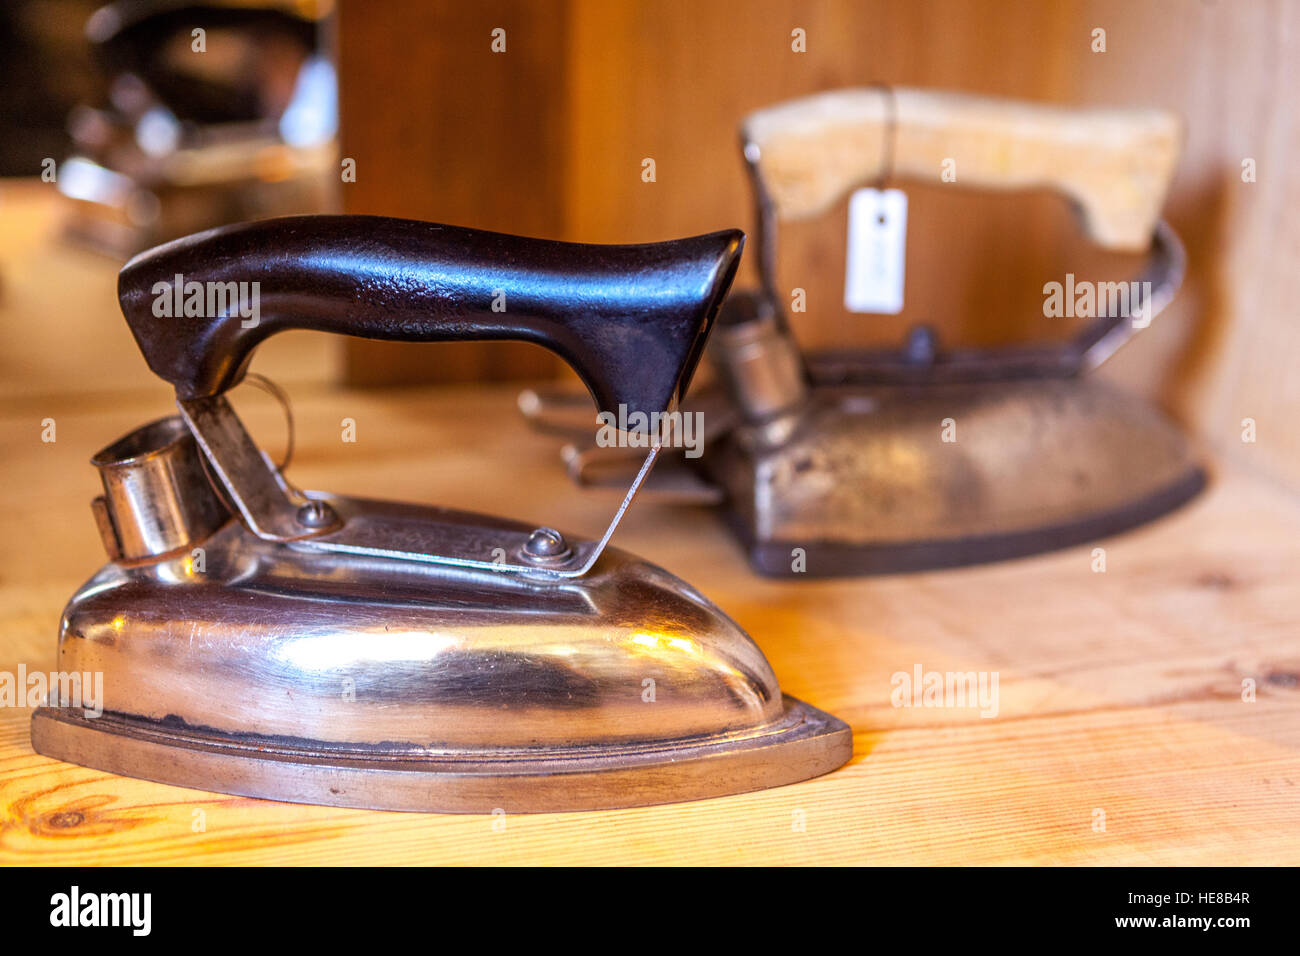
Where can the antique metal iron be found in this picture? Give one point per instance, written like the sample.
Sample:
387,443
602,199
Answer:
260,640
832,463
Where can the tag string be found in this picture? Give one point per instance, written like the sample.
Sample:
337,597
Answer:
889,135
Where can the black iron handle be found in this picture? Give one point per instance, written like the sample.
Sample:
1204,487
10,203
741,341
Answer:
631,320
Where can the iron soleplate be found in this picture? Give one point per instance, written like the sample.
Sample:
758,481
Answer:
830,559
864,482
805,742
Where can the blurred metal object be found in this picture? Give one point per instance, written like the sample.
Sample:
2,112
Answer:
848,462
860,479
758,362
259,640
214,113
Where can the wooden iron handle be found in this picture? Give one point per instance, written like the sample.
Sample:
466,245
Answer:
1116,164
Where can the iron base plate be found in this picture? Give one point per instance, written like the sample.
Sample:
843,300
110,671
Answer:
804,743
830,559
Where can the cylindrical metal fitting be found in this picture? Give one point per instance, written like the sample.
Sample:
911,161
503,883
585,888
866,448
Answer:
157,498
758,359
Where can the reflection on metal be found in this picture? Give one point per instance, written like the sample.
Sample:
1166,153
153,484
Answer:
310,676
308,647
156,501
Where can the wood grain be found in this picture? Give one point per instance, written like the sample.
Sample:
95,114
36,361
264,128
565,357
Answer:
446,130
1119,691
1114,164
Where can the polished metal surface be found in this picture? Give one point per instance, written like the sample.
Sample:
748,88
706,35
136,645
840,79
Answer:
274,511
429,538
278,653
332,650
265,502
156,498
351,651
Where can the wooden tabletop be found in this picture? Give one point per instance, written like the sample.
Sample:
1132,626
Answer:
1121,734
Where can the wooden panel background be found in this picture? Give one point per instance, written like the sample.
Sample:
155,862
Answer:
548,139
443,129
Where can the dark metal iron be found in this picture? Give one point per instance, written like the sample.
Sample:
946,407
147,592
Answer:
830,463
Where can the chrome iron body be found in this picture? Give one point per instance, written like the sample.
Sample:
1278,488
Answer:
290,673
261,640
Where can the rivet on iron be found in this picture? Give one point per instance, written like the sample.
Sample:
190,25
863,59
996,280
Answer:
546,543
316,514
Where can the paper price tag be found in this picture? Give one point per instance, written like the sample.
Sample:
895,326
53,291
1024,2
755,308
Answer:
877,251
